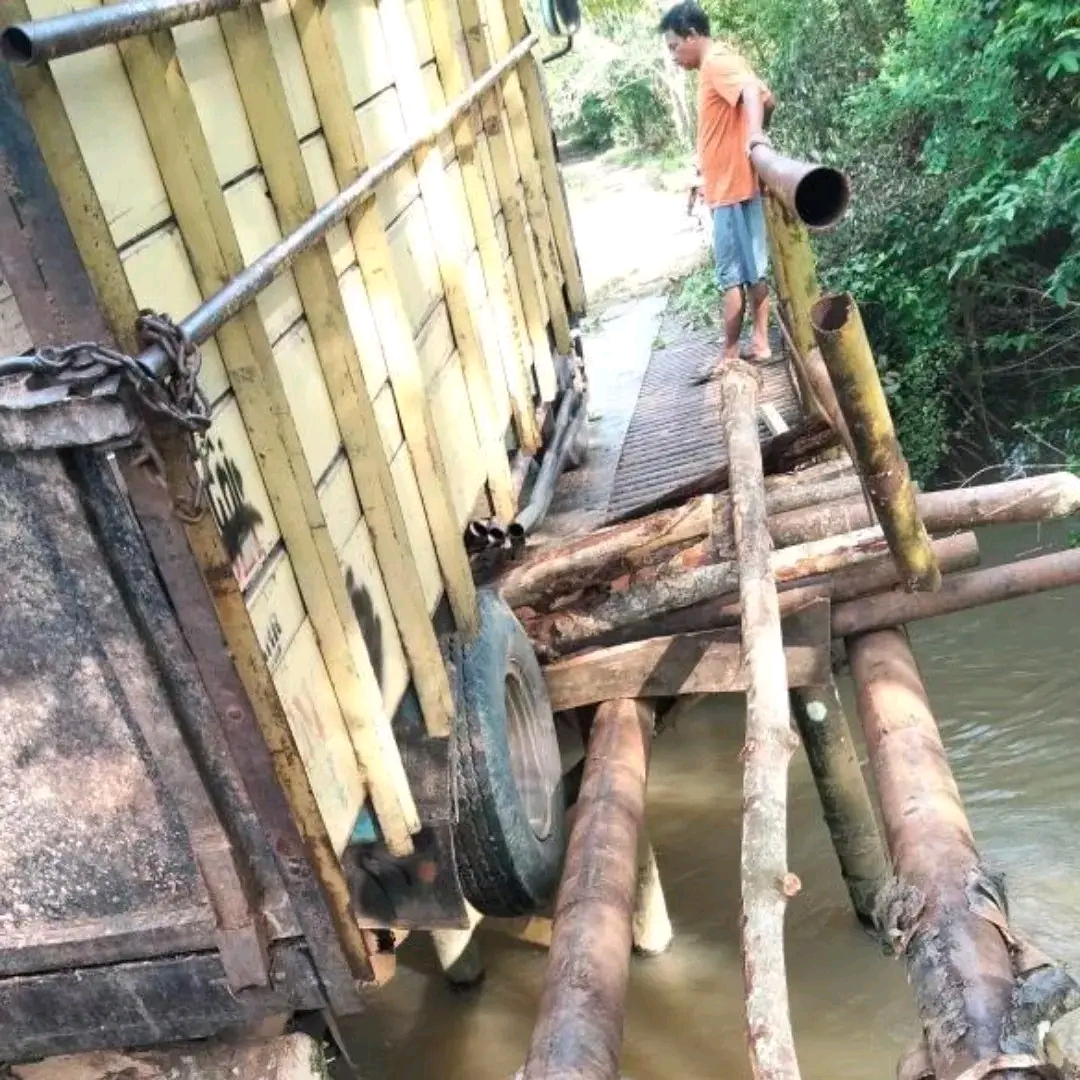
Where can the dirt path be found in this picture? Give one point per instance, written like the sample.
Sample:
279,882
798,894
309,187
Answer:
633,233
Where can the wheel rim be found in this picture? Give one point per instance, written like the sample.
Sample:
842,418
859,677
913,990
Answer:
533,760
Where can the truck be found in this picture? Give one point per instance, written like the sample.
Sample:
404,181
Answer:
290,297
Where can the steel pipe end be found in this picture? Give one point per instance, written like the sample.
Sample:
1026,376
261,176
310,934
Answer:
822,197
16,46
516,534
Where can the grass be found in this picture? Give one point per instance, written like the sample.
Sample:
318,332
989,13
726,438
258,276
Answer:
697,299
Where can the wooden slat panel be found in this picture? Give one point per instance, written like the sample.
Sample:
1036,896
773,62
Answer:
277,612
412,505
456,427
109,133
435,343
321,735
324,187
263,93
415,266
376,618
161,279
364,331
364,51
290,63
389,425
205,65
496,355
236,492
337,496
257,229
382,128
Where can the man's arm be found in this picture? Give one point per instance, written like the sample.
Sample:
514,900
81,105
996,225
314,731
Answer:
754,103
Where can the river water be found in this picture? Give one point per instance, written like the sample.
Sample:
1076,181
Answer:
1004,682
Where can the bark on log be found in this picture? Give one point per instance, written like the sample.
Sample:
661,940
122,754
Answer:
564,631
842,340
621,549
579,1030
714,662
781,453
958,593
766,882
953,553
940,915
849,813
1038,498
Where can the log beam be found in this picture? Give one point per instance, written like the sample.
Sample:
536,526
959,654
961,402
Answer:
958,593
578,1034
766,883
942,915
840,336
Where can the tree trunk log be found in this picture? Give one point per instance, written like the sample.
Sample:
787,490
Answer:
766,882
842,340
1038,498
564,631
940,913
1040,574
579,1030
849,813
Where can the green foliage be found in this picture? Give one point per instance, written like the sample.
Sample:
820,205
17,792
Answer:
959,123
697,298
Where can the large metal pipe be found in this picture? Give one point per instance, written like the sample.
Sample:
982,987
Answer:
818,195
74,32
570,416
238,292
579,1032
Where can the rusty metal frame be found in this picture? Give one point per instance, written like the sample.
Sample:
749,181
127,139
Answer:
43,267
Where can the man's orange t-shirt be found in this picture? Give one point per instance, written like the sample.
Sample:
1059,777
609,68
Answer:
726,172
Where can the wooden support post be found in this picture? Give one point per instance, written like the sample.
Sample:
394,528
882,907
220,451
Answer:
349,158
190,178
943,914
842,340
444,27
849,813
579,1030
531,290
543,136
462,299
767,885
651,926
1036,498
959,593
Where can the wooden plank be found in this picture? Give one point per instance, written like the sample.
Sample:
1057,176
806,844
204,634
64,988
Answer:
450,405
277,611
369,238
504,167
13,336
172,125
335,348
711,662
536,199
290,63
450,250
91,232
382,130
445,28
540,123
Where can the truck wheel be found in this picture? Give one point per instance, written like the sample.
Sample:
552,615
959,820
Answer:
510,835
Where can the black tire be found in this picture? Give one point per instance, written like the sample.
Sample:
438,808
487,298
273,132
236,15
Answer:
510,836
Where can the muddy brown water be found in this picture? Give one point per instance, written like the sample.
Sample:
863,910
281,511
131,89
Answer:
1005,685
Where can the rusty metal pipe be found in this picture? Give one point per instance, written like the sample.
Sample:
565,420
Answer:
42,40
578,1034
818,195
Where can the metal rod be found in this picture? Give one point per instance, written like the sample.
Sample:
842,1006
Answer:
571,413
579,1031
238,292
42,40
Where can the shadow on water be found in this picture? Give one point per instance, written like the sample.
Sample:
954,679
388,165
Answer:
1004,683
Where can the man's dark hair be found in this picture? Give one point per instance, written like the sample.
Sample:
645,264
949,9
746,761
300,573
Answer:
684,19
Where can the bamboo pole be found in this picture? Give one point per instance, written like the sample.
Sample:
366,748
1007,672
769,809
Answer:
1037,498
563,631
579,1030
767,884
842,340
1040,574
942,913
849,813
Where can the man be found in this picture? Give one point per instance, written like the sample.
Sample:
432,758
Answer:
732,107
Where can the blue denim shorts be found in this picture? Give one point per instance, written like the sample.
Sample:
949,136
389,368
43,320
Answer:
739,245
